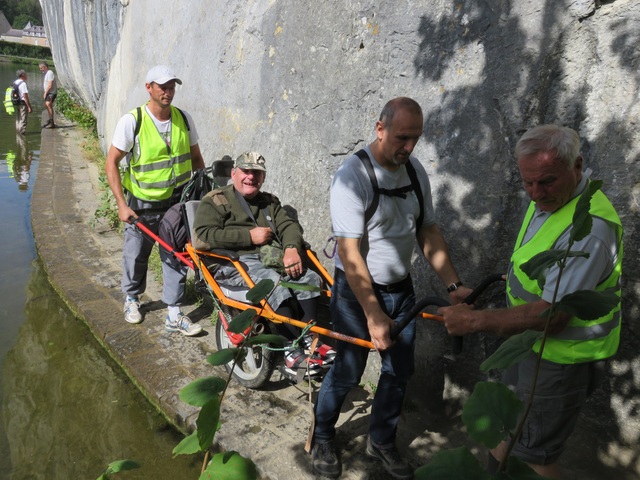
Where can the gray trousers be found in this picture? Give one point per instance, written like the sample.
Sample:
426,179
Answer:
21,118
135,261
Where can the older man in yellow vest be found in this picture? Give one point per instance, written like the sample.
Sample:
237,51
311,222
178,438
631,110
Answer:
551,169
159,145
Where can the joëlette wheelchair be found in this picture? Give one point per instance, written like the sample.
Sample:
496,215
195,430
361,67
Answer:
255,367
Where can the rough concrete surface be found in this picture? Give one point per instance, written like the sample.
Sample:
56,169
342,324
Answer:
269,426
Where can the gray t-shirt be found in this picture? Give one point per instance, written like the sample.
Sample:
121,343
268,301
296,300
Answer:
390,237
580,273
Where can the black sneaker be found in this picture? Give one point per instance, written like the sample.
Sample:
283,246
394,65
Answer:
325,460
391,460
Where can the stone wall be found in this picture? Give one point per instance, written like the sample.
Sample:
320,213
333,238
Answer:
303,83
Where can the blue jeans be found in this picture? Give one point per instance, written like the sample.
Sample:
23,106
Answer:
348,367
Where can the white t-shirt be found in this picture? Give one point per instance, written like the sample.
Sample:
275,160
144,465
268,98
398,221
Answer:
126,127
22,88
50,77
390,236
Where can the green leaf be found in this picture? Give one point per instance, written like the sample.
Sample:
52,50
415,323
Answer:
452,464
104,476
207,423
536,268
512,350
242,321
266,338
224,356
188,446
588,304
300,286
200,392
229,466
260,291
582,221
491,412
121,466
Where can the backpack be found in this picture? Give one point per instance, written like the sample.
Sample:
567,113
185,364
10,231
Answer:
173,226
15,92
396,192
8,103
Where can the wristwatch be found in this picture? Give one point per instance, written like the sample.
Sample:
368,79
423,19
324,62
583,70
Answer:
453,287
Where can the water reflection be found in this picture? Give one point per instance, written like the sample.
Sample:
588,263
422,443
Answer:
68,410
19,163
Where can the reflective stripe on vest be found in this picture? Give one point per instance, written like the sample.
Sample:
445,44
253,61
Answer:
157,170
580,341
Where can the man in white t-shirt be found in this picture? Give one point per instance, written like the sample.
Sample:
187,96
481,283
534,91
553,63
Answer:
50,92
160,159
23,109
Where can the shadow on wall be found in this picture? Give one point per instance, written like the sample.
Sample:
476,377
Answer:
485,121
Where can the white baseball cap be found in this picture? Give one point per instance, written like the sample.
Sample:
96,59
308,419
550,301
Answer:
161,74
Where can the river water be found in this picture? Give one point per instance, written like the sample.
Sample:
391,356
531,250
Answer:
66,409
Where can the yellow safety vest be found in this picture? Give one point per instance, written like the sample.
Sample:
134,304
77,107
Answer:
157,169
580,341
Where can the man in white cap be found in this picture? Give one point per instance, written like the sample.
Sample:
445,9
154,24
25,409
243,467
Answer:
159,144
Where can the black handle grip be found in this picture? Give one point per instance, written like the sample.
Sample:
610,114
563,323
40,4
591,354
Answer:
417,308
456,341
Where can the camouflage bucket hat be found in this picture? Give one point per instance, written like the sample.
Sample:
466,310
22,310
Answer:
250,161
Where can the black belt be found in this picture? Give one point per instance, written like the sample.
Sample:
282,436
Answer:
401,286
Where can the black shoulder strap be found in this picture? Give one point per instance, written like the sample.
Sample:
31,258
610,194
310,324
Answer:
373,206
136,130
397,192
413,176
184,117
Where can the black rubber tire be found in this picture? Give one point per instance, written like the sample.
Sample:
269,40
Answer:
257,366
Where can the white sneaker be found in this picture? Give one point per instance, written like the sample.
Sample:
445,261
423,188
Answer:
132,311
183,325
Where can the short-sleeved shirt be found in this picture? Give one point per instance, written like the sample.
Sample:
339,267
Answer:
579,273
22,88
50,77
126,127
389,238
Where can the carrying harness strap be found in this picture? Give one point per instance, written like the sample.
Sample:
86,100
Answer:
395,192
265,212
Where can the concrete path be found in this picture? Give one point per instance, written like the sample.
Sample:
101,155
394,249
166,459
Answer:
82,260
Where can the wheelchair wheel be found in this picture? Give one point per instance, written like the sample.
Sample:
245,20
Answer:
256,367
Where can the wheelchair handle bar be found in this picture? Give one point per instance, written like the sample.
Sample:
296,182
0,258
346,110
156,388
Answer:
440,302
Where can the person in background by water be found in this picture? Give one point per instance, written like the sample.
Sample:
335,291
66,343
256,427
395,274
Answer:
23,109
162,158
50,92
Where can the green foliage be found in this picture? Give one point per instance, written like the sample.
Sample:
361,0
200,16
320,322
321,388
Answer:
19,51
22,20
14,8
118,466
73,109
490,413
261,290
537,267
201,391
512,350
229,466
241,322
587,304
